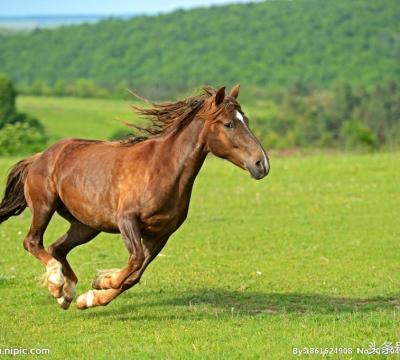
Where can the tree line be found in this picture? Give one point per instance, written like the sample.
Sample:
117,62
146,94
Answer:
344,117
267,44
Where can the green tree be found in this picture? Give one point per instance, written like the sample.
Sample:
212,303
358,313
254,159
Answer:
8,95
19,132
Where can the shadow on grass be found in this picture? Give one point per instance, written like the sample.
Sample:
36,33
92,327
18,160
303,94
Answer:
207,303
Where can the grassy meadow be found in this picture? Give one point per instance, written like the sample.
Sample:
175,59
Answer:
77,117
308,257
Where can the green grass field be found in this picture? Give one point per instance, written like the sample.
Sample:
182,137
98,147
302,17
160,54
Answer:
73,117
308,257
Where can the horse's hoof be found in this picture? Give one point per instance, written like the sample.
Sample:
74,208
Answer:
102,282
67,295
69,289
96,283
64,302
85,300
104,279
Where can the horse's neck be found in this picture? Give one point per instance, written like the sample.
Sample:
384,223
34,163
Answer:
188,151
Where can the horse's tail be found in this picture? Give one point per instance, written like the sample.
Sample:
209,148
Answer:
14,202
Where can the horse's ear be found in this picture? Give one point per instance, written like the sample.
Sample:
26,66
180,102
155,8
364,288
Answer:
235,91
220,96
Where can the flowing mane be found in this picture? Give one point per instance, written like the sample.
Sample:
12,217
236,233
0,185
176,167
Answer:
167,117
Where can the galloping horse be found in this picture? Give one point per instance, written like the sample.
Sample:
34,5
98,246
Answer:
139,187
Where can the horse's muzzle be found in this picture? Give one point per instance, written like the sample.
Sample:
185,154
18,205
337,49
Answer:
259,169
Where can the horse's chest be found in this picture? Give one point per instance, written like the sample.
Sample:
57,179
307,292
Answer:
165,212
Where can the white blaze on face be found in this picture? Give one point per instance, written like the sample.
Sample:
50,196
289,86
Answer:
239,116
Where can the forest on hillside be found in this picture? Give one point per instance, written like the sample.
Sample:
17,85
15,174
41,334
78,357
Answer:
314,73
268,44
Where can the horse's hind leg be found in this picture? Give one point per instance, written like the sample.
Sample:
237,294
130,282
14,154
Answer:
43,204
77,234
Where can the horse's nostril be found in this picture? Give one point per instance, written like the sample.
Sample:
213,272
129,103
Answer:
259,163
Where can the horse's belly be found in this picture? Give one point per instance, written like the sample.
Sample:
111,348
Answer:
90,209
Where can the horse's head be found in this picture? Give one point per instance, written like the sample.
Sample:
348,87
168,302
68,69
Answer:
229,136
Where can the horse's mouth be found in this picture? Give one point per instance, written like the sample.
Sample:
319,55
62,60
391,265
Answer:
258,173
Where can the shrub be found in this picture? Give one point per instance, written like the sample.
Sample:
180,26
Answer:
19,133
21,138
23,118
356,135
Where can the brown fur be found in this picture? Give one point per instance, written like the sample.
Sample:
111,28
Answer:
140,188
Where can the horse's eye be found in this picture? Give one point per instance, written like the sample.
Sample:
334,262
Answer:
229,125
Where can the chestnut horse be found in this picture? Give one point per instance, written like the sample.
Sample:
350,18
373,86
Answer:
139,187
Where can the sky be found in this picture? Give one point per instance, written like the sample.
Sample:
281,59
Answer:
100,7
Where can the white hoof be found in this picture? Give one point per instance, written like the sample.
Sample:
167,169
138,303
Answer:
63,302
85,300
67,294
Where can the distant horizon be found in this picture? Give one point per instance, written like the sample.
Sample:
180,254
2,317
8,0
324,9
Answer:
77,15
48,20
45,8
52,21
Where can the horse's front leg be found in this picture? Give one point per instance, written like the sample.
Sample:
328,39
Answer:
114,278
105,296
109,284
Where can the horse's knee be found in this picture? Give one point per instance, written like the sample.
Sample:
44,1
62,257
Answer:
30,244
34,240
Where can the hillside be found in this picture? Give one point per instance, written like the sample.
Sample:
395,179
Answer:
263,44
